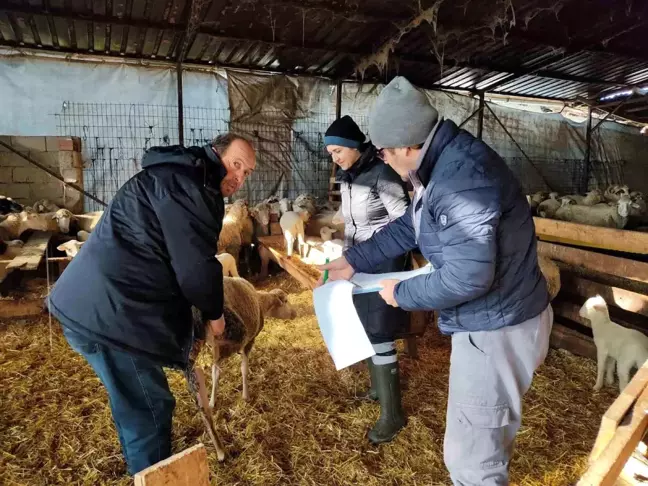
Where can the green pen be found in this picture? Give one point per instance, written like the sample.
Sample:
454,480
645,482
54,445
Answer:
326,272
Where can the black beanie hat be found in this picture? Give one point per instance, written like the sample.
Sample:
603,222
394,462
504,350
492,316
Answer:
344,132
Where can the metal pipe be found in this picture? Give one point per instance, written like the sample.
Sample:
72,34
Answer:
588,148
338,100
469,118
480,120
52,173
180,104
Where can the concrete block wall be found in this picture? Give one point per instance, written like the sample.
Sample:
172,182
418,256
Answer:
26,183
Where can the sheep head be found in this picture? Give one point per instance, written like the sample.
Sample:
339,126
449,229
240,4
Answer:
63,218
275,304
327,233
286,205
238,211
71,248
594,307
261,213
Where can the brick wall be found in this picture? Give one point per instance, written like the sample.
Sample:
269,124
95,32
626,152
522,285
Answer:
26,183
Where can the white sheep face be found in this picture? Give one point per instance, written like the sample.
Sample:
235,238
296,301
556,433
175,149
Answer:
63,218
71,248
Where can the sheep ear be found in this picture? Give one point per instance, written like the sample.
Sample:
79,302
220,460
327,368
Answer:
54,216
61,247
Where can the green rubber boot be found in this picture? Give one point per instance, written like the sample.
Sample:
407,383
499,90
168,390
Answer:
372,393
392,418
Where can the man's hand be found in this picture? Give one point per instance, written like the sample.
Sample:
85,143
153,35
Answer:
217,326
387,293
339,269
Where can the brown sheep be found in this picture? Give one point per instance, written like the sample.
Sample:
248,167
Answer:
244,312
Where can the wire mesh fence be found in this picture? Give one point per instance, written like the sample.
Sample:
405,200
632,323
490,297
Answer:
291,157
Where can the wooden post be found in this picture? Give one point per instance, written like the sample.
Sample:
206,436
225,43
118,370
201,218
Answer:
187,468
588,148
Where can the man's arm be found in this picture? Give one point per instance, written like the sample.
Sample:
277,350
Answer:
191,227
469,241
394,240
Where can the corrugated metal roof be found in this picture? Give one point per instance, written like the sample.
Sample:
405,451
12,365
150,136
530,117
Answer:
560,49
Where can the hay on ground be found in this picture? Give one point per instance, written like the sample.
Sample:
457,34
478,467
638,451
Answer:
303,424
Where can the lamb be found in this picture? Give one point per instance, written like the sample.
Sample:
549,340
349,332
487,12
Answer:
292,225
8,206
44,206
244,310
229,265
285,205
551,274
548,208
305,202
16,224
614,343
593,197
230,240
599,214
333,249
71,248
613,193
327,233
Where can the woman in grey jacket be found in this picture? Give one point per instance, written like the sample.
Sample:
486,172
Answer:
373,195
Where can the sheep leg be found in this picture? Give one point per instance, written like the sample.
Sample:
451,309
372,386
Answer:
290,242
601,358
245,367
215,377
609,371
302,247
206,415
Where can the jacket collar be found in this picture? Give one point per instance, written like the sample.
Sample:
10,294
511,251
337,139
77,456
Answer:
214,169
440,137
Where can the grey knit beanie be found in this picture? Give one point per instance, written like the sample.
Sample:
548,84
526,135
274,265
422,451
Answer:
402,116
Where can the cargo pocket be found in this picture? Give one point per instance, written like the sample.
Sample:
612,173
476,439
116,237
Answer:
487,433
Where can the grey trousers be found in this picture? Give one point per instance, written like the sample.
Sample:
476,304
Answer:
490,371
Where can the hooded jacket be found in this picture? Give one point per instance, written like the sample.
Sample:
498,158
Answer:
150,258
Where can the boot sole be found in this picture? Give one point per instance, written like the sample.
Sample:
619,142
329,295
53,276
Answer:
391,437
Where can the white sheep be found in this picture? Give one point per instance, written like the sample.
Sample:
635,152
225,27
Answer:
548,208
614,343
230,239
275,207
292,225
614,192
244,311
45,206
83,235
285,205
16,224
71,248
593,197
327,233
305,202
333,248
229,265
599,214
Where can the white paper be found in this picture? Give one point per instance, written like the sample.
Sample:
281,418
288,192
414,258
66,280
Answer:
369,282
343,333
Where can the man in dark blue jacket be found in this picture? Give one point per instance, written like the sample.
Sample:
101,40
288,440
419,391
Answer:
471,220
125,299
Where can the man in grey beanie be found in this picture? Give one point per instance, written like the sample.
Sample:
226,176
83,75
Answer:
471,220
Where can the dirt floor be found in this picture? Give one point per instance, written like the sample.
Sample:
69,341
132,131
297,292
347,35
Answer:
303,424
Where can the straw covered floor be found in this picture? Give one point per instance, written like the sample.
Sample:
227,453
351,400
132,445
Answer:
303,424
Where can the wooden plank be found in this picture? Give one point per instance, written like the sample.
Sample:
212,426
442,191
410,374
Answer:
618,410
606,469
624,299
592,236
10,309
187,468
597,262
576,343
32,252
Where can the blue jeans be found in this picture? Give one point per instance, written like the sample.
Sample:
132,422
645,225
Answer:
140,400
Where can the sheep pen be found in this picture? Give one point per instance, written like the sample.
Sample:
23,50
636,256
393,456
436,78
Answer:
302,425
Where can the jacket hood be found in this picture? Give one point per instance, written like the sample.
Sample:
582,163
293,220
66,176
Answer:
202,158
